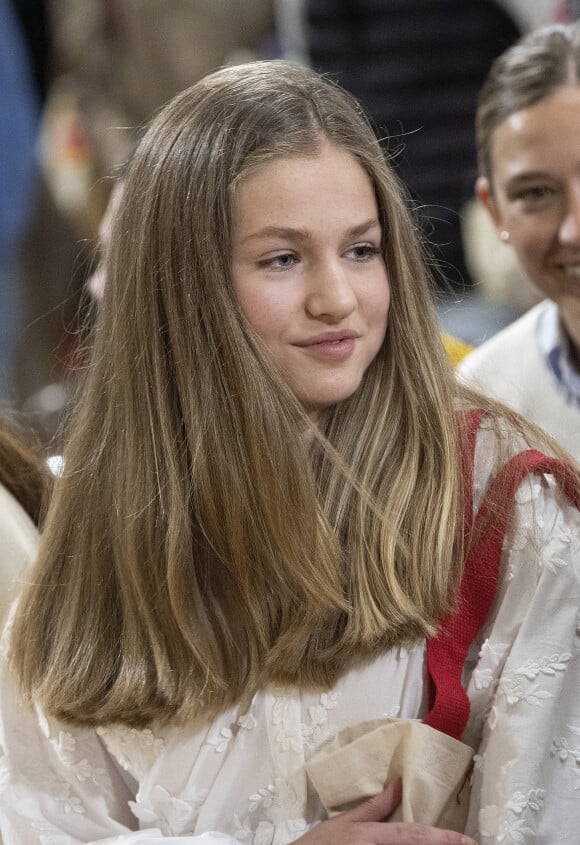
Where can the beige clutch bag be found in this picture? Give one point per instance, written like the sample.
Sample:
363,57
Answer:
360,760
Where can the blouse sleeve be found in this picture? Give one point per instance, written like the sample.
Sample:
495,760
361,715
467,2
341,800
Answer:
525,688
60,786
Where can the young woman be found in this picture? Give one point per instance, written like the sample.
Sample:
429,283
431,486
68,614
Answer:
261,519
528,124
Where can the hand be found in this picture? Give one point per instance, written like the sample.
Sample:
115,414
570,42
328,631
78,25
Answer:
366,825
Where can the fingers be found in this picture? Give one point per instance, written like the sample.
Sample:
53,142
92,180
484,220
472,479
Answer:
408,833
380,806
365,825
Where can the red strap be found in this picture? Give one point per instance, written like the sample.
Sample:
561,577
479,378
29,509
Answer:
447,652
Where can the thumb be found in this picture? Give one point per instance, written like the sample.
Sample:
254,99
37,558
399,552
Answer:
380,806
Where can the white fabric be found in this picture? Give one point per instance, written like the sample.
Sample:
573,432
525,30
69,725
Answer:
241,778
511,367
18,540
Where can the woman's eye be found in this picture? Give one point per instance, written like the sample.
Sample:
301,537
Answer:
283,261
536,194
363,252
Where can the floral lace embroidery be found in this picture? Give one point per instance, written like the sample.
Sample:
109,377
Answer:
274,814
546,666
288,737
242,726
61,791
264,833
482,678
511,827
513,684
267,833
173,816
528,492
557,547
65,747
280,810
309,734
69,754
265,797
562,749
491,656
514,822
484,681
318,730
522,685
222,740
560,539
135,750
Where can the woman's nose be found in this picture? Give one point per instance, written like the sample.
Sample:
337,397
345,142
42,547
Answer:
570,226
331,294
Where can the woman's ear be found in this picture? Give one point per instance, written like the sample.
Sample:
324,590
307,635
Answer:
484,195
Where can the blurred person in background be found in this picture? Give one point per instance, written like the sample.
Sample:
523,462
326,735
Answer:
528,130
37,249
123,59
114,62
417,66
19,117
502,291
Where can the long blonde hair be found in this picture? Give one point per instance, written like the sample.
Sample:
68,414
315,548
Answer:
199,545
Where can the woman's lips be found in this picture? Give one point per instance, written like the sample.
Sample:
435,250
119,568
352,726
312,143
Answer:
330,346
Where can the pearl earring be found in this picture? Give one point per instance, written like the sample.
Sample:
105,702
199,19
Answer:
504,235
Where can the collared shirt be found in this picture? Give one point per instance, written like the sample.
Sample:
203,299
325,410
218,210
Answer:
555,346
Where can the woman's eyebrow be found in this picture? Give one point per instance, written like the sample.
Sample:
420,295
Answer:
526,176
304,234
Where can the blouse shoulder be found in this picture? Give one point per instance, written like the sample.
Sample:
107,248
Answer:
18,544
523,689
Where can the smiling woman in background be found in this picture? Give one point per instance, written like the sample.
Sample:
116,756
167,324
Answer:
528,136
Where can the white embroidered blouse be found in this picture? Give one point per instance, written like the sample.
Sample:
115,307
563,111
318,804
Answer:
240,778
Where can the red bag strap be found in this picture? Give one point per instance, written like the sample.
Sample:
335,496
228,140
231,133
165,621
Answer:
447,652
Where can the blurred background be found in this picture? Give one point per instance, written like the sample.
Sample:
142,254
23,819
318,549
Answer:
80,78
